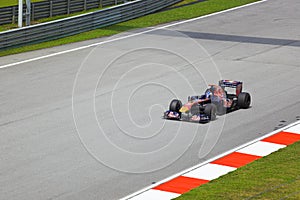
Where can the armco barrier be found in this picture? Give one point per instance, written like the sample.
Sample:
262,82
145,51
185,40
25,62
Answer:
78,24
51,8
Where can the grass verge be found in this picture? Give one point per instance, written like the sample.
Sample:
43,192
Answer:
181,13
276,176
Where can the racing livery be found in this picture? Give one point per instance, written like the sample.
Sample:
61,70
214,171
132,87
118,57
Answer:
215,100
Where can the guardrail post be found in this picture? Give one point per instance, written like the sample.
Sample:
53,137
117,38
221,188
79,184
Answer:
13,15
50,8
28,12
32,12
100,3
84,5
68,7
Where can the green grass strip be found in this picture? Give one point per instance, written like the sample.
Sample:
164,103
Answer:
181,13
276,176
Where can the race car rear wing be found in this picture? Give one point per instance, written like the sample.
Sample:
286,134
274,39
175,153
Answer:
232,84
229,83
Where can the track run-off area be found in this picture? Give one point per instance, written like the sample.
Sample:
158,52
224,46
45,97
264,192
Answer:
86,123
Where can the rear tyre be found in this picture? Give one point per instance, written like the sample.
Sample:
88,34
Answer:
175,105
211,111
244,100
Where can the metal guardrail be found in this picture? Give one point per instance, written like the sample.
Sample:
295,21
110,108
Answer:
78,24
51,8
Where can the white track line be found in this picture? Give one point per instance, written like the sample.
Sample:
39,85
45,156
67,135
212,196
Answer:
129,36
156,194
288,127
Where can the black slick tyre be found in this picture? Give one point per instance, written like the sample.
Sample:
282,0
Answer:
221,110
211,111
175,105
244,100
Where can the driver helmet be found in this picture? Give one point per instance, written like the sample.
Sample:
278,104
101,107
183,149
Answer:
208,93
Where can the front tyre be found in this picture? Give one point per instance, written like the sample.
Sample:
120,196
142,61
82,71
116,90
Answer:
175,105
244,100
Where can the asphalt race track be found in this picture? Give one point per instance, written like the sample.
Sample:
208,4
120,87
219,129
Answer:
87,124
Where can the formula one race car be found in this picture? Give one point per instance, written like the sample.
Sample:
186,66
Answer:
216,100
